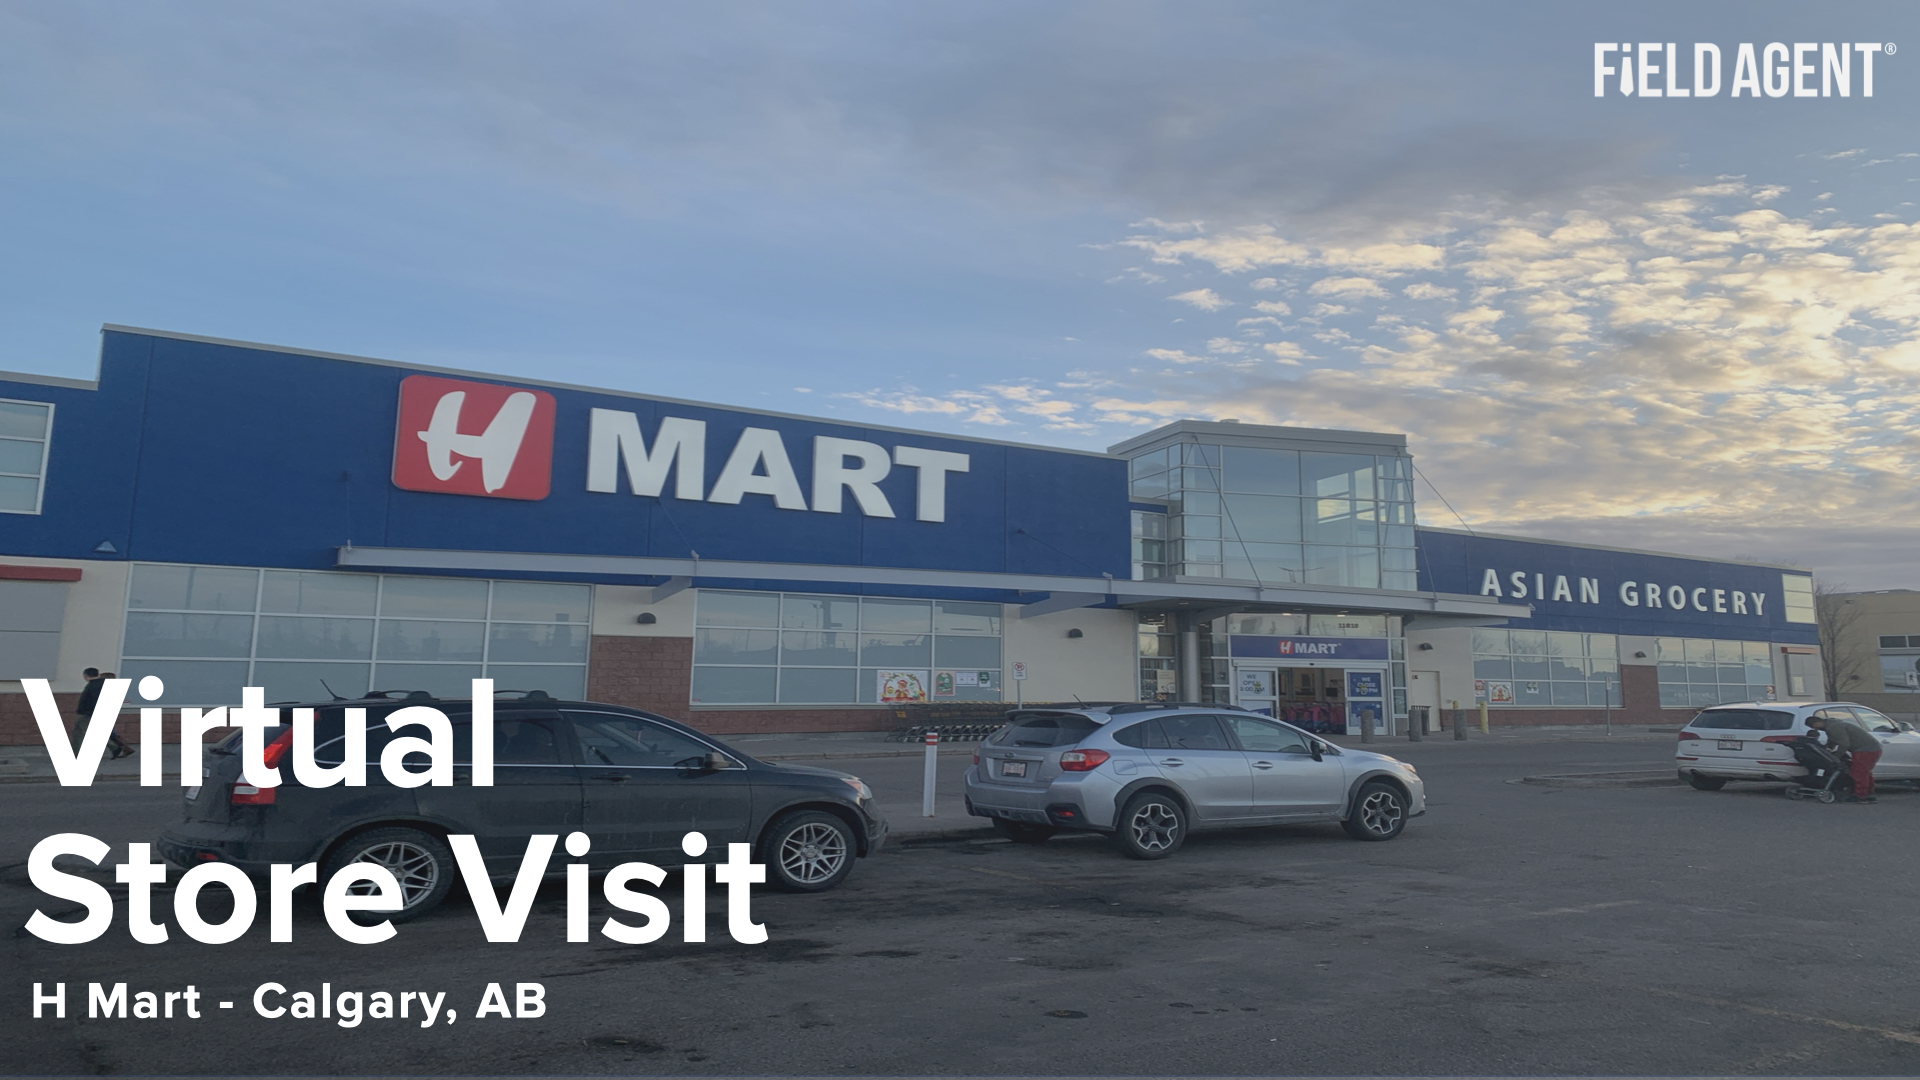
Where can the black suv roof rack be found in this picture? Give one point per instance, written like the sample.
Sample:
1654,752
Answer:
1151,706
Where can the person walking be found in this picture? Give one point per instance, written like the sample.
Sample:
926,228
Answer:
96,681
1862,750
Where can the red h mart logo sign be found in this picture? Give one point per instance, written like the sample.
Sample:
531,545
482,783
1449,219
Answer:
458,437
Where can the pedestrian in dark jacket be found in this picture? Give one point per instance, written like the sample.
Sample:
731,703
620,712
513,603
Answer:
88,697
1862,750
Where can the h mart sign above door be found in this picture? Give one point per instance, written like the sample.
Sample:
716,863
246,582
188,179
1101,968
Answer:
458,437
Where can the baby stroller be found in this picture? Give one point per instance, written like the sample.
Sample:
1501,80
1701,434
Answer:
1827,778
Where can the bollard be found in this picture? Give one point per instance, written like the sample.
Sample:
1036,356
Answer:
1459,723
1416,723
933,762
1366,729
1484,729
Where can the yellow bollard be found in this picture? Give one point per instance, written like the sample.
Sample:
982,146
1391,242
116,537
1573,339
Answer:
1483,719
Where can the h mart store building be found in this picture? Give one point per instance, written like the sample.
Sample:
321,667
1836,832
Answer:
223,514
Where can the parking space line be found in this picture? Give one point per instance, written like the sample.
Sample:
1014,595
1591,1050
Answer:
1581,910
1758,1010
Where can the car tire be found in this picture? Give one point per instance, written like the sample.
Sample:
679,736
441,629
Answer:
420,861
1152,825
1021,832
1705,783
1379,812
807,851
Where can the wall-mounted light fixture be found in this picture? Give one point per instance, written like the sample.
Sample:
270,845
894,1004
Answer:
1426,646
1639,656
1075,632
645,618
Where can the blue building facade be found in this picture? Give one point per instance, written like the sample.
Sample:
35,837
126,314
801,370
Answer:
224,514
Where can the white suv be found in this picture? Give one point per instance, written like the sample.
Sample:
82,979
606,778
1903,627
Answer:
1750,740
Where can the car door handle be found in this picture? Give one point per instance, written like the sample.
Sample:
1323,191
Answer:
612,777
1172,762
1263,764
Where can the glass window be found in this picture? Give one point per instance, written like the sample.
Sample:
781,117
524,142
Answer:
1204,527
722,646
284,636
957,617
896,616
433,598
157,633
200,682
1200,502
967,652
1349,475
896,650
609,739
1351,566
24,438
1260,470
819,612
408,639
810,649
805,686
536,601
194,588
537,643
1193,732
1269,518
1200,454
1271,625
296,593
1275,563
734,685
525,742
1491,641
1899,674
1262,737
1895,642
319,634
1045,730
717,608
290,680
440,680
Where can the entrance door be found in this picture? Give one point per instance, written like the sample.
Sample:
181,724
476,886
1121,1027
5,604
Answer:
1256,688
1423,689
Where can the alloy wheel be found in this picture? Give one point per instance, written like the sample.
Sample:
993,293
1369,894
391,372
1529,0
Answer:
813,853
1154,826
412,866
1380,812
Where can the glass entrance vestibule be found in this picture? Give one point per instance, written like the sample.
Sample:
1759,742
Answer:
1335,674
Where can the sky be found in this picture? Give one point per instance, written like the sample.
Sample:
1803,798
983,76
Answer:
1685,324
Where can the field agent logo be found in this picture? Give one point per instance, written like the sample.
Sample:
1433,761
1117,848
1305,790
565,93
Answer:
1652,69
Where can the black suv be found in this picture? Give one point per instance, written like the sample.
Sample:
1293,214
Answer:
633,782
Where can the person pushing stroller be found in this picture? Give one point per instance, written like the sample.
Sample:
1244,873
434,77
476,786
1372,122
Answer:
1862,750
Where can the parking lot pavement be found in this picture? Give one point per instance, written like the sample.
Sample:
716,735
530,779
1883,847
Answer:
1514,929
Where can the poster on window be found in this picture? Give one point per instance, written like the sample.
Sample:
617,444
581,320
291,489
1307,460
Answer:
1364,684
1499,693
902,687
1256,683
943,683
1362,715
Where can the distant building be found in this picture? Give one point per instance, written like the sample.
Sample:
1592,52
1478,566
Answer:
1875,651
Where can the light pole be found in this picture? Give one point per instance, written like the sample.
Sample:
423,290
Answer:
1606,683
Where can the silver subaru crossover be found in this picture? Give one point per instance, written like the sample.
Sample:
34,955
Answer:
1148,774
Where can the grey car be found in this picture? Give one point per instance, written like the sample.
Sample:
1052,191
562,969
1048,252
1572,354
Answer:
1148,774
634,783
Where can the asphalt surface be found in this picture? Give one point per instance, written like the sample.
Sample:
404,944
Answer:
1517,928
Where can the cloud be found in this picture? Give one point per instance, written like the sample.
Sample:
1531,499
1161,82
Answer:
1204,299
1347,286
1675,372
1273,307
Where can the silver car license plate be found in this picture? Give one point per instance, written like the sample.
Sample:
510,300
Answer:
1732,744
1013,768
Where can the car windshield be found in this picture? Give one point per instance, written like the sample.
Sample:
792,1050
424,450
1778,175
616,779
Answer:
1045,730
1743,720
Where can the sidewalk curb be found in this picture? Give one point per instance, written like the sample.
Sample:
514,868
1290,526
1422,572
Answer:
921,752
1635,778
